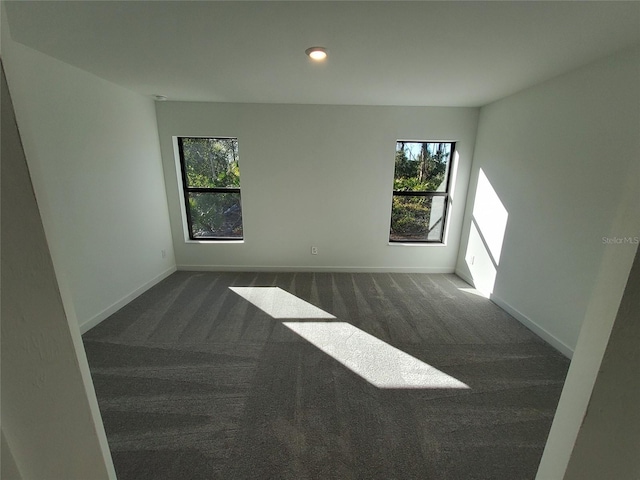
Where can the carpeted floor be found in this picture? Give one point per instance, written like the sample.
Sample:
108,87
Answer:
194,381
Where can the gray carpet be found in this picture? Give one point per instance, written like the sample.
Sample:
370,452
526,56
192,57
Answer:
194,381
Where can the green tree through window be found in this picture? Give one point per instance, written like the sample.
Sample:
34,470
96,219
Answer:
420,191
211,184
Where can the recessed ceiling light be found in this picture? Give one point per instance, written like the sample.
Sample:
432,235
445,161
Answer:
160,98
317,53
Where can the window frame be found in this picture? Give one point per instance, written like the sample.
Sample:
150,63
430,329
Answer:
186,190
426,193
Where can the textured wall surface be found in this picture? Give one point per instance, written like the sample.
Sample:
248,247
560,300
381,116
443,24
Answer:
609,440
49,413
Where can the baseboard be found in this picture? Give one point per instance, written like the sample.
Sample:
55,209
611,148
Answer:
92,322
534,327
280,268
465,277
526,321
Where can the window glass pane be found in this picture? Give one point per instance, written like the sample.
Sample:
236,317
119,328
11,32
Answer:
421,166
415,218
215,215
211,162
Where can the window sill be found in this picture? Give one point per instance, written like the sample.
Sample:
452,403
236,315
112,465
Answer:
417,244
214,242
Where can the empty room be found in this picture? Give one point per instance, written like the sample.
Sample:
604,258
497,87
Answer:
320,240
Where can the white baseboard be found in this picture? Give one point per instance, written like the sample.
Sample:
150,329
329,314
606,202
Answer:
280,268
522,318
551,339
464,277
526,321
92,322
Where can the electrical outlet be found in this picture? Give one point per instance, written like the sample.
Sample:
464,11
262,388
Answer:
163,253
314,250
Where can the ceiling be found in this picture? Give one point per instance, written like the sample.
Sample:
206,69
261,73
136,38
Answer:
380,53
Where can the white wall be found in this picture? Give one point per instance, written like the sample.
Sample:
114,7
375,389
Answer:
8,468
557,157
608,442
51,427
555,170
316,175
92,149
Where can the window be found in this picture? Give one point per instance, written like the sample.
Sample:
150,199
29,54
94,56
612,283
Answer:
420,191
211,184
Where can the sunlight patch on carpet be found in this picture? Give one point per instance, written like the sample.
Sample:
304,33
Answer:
379,363
279,303
376,361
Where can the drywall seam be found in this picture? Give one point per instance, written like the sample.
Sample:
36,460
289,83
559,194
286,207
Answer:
281,268
104,314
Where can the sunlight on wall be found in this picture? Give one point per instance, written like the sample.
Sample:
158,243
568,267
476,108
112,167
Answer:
483,269
490,216
280,304
486,236
372,359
